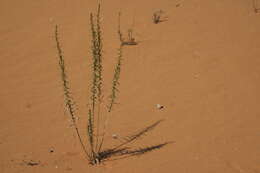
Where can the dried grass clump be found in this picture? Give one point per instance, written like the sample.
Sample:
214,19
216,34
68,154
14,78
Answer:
158,17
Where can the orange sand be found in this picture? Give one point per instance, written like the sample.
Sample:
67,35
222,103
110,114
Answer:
202,65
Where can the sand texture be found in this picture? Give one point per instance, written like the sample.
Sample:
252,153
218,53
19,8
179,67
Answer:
202,65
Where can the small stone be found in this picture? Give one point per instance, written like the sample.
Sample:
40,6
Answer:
51,150
32,163
114,136
159,106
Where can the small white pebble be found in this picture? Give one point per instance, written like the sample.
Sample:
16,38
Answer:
159,106
114,136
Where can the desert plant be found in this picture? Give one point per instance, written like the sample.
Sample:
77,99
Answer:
157,17
117,70
69,102
95,132
96,88
130,40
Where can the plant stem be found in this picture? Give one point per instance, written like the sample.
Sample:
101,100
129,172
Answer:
68,98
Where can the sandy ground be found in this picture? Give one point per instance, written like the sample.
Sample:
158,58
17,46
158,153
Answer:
202,65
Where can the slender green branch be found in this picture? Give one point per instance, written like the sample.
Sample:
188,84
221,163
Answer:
68,96
115,81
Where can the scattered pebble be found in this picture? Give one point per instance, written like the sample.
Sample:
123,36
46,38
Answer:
51,150
159,106
114,136
31,163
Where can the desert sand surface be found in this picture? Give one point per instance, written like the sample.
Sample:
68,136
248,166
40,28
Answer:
202,65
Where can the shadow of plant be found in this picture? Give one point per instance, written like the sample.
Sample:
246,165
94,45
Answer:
121,151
